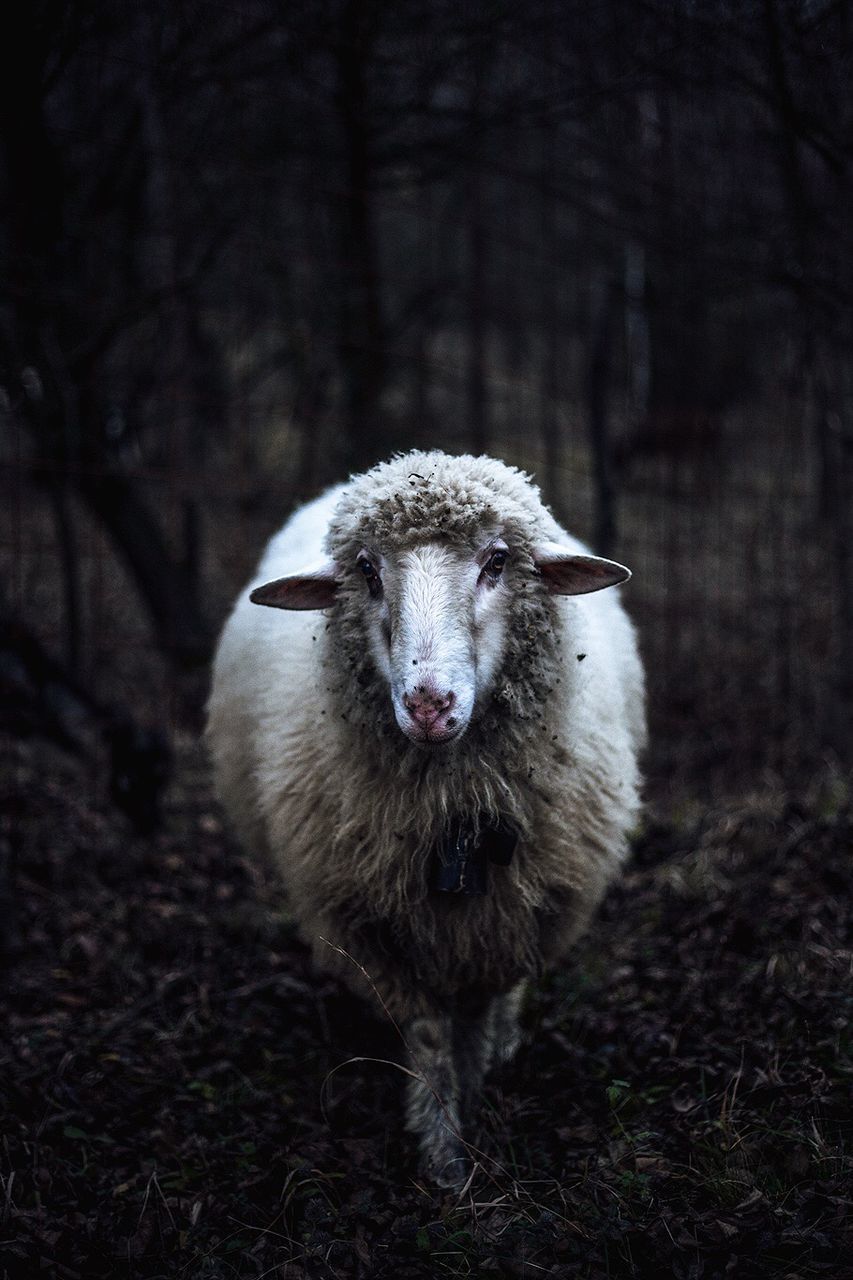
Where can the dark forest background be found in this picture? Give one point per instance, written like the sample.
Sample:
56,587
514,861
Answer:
245,249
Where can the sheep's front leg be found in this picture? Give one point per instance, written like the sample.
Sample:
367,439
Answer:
433,1110
483,1039
474,1048
507,1033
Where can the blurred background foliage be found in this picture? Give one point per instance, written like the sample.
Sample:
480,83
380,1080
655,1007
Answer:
248,248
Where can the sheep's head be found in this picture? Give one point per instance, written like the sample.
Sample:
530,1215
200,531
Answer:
434,583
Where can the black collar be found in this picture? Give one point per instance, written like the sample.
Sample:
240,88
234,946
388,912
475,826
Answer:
461,858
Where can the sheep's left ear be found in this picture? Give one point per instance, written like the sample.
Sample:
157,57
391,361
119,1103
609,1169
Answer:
568,574
313,588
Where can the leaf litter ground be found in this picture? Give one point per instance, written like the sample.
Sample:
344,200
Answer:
183,1096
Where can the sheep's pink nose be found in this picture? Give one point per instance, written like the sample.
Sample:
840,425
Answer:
426,706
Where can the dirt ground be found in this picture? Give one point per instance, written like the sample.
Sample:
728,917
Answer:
182,1096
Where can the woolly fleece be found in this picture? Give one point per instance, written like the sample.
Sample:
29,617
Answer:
313,769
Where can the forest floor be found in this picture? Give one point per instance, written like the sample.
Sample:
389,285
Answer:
183,1096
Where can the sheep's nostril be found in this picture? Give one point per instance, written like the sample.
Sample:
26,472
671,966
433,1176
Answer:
426,706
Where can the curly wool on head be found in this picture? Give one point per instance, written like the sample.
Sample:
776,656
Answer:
421,497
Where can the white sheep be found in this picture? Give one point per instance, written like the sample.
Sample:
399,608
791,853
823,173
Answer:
438,745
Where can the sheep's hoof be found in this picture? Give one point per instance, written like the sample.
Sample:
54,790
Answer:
446,1164
451,1174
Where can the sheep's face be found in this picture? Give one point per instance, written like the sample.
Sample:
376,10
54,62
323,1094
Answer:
435,618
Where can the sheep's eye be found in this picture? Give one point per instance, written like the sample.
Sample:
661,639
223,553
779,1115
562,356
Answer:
496,562
371,575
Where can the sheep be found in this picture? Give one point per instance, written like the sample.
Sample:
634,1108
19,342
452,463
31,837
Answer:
437,742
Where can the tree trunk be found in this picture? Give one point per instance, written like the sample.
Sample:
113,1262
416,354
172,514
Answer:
361,326
549,374
841,530
169,591
476,389
598,415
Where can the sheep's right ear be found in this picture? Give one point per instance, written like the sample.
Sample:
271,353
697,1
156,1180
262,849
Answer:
313,588
568,574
